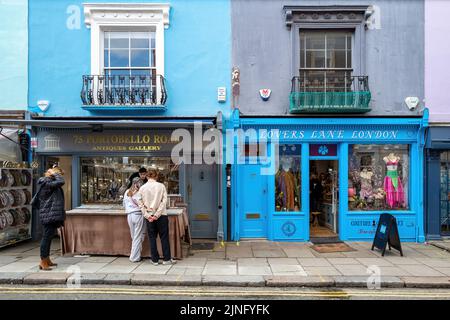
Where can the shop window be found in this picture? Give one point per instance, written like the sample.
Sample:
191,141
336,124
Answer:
445,192
378,177
104,179
287,178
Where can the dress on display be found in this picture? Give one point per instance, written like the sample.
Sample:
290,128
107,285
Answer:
395,196
286,185
366,191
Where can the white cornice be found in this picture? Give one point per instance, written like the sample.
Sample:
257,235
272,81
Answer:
124,13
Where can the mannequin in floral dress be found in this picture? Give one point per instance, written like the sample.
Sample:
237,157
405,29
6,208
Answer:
366,191
395,196
286,184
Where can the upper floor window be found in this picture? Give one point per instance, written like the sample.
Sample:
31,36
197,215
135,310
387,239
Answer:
129,53
326,59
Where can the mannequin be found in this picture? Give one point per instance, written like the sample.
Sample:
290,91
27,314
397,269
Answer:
395,196
366,191
286,184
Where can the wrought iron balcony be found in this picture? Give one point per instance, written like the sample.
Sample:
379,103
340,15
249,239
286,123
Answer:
318,91
123,90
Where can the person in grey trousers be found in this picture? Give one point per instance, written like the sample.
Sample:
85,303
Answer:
135,218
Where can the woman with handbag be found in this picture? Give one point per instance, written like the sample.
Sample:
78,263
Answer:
50,202
135,219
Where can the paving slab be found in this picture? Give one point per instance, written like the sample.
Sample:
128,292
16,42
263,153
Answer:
46,278
69,260
19,267
120,268
182,270
393,271
99,259
166,280
285,269
269,254
117,278
298,281
151,269
328,255
352,270
225,270
233,281
380,262
298,253
206,254
322,271
9,259
254,270
427,282
253,261
342,261
421,271
198,262
403,260
314,262
440,263
435,254
283,261
444,245
363,253
90,267
13,277
361,282
445,271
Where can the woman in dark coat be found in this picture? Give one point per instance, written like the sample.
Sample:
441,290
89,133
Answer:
50,203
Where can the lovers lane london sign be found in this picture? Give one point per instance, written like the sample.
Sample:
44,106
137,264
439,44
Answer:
107,141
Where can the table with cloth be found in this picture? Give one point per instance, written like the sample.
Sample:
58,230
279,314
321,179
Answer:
104,230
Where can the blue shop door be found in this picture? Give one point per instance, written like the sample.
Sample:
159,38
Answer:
252,202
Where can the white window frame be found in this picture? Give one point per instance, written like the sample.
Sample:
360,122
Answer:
101,17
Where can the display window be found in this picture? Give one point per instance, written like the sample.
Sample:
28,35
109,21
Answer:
287,178
104,180
378,177
445,192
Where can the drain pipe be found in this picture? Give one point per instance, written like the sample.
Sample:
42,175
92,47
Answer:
228,173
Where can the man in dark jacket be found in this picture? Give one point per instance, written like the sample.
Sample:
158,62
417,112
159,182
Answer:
50,202
142,173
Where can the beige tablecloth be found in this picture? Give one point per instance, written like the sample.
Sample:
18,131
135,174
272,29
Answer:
105,231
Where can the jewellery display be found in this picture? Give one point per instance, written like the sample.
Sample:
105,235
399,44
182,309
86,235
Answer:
15,205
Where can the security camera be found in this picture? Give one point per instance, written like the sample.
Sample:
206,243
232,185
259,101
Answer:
412,103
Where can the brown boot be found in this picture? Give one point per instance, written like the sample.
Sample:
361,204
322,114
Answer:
50,263
44,264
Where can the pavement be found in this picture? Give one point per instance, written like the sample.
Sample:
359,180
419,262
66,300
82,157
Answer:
242,264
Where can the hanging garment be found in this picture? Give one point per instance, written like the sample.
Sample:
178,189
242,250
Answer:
286,186
395,196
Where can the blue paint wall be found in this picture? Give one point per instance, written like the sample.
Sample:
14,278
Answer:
197,58
13,54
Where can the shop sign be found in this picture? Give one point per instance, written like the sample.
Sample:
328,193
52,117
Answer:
330,135
110,141
323,150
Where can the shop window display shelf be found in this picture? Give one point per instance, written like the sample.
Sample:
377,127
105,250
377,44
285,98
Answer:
12,233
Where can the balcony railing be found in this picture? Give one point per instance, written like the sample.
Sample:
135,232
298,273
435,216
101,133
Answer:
123,90
333,91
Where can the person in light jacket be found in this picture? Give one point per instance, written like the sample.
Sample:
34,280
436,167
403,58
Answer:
153,205
50,203
135,219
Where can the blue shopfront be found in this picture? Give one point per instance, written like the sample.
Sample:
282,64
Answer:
294,179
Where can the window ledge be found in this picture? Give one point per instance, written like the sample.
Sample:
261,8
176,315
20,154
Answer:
126,13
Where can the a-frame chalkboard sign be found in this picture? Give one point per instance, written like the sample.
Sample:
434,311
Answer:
387,233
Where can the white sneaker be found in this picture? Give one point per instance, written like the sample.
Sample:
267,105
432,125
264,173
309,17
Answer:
169,262
155,263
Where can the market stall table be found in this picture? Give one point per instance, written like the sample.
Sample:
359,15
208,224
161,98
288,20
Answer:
103,230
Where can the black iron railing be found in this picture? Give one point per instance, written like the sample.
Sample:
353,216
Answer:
329,91
123,90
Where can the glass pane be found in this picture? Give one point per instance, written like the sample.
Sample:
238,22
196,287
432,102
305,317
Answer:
315,41
336,41
119,43
153,58
315,59
105,59
378,177
139,72
314,80
287,178
336,59
140,58
120,72
349,59
119,58
106,41
349,42
140,43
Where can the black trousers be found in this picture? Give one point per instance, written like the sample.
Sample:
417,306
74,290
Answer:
159,227
48,232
